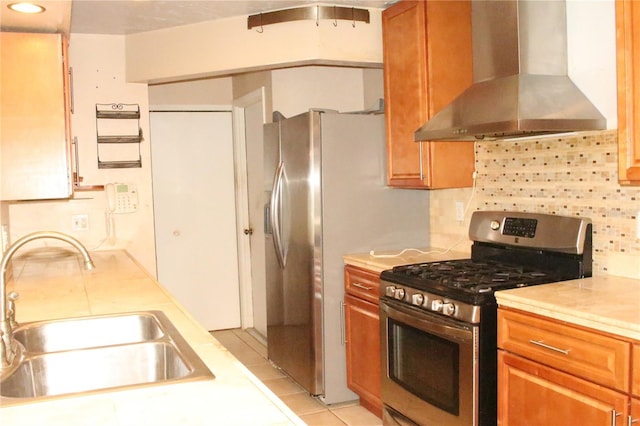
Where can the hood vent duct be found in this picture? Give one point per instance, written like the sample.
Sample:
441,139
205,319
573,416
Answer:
520,81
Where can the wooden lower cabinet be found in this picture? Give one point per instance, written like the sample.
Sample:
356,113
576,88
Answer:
635,369
363,352
532,394
362,333
555,373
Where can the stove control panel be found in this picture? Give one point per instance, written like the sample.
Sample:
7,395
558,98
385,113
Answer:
430,302
550,232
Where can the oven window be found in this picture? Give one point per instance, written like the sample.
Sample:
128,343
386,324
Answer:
424,364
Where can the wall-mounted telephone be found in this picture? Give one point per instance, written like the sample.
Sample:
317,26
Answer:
121,198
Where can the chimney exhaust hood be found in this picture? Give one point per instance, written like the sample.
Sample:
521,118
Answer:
520,81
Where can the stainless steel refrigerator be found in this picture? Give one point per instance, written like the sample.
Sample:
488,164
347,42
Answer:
325,196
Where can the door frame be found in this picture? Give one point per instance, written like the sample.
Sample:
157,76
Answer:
242,200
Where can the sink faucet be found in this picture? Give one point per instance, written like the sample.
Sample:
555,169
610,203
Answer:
8,347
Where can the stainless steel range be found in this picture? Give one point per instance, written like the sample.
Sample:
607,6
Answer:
438,319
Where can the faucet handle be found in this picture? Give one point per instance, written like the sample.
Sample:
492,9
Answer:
11,309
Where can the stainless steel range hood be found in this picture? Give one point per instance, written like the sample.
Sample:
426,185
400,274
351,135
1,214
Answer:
520,82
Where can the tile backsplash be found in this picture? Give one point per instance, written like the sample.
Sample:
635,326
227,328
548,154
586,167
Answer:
574,175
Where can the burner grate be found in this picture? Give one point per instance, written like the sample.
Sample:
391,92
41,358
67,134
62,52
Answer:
473,276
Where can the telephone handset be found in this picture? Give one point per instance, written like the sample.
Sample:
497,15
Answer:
122,198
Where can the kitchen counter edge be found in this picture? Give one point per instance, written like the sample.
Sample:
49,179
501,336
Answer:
605,303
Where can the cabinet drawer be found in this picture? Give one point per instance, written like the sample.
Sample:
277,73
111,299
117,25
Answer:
601,359
362,283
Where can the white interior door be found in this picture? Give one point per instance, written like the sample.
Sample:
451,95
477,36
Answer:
194,209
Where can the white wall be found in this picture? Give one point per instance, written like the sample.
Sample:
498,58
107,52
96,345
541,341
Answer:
226,46
591,40
296,90
210,91
98,77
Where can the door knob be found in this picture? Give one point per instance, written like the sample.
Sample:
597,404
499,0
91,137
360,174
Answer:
248,231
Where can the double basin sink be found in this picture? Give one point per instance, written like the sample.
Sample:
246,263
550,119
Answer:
109,352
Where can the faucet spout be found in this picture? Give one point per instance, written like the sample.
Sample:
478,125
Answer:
8,346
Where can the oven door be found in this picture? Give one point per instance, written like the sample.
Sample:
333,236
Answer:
429,367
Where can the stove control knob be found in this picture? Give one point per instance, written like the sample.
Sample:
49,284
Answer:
436,305
448,309
495,225
390,291
399,294
417,299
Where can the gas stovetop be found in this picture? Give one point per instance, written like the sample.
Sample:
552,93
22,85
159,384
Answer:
467,280
510,250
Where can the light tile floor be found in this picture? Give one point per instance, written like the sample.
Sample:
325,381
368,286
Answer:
253,354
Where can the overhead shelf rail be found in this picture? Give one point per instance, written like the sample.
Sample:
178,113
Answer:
315,13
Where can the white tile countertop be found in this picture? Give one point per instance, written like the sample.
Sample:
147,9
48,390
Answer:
381,260
57,287
606,303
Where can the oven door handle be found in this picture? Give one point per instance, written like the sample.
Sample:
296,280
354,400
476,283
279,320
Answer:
427,322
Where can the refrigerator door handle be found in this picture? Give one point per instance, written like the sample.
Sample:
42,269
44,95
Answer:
343,325
276,200
267,218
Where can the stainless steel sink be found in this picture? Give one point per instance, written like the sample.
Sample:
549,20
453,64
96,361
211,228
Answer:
84,370
88,332
89,354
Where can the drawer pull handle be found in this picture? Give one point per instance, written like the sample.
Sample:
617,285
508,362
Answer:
631,420
552,348
364,287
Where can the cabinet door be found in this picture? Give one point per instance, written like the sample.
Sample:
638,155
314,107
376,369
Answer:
635,370
35,151
362,323
532,394
427,63
635,412
628,66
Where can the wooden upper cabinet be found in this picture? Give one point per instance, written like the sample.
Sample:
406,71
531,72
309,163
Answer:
628,66
34,142
427,64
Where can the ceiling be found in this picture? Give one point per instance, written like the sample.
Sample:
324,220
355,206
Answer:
121,17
